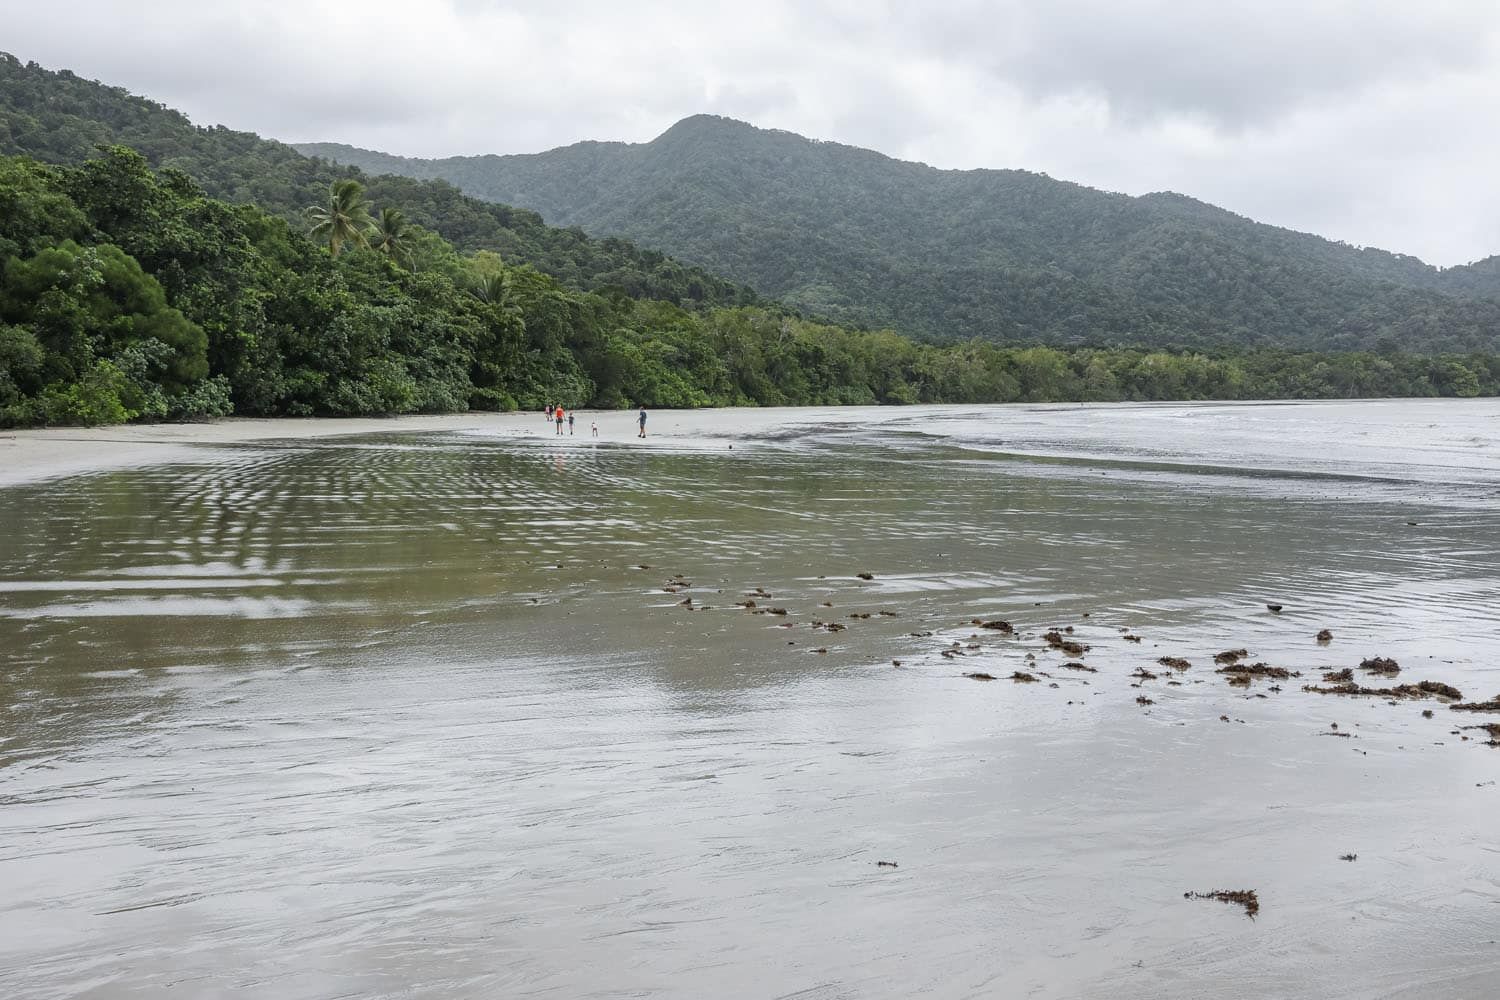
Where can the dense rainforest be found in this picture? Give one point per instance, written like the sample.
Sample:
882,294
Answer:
129,291
1006,255
59,117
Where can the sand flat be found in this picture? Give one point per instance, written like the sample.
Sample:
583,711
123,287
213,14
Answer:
483,701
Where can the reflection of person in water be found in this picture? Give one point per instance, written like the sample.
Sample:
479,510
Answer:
642,421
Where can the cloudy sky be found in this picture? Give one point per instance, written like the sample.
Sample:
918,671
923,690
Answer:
1371,121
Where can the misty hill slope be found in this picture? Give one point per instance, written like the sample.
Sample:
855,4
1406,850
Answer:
59,117
1003,254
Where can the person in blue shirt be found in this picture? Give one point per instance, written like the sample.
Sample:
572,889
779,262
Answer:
642,421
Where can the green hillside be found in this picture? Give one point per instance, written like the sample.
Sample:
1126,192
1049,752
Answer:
129,292
1000,254
59,117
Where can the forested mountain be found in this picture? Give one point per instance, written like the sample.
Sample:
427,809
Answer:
130,293
1001,254
59,117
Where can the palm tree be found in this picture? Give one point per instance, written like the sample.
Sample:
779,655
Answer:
345,219
388,236
491,288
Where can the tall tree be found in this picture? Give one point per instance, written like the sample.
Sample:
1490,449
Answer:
345,219
388,235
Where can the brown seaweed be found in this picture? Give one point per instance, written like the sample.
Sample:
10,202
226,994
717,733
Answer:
1423,690
1383,665
1258,670
1239,897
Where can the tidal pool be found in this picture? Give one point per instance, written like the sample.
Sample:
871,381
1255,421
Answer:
426,715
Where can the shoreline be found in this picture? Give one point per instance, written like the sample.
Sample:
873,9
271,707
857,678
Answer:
50,453
39,454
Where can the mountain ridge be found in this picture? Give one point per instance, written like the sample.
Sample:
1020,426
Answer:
434,167
865,238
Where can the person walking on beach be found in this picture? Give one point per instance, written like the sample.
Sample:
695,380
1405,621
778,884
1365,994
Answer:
549,413
642,421
570,425
594,428
557,414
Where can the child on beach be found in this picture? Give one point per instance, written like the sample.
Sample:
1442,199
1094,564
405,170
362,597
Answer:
594,428
570,425
642,421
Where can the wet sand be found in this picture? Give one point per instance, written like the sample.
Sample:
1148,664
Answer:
475,712
48,453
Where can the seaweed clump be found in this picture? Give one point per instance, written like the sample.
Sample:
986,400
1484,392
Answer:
1258,670
1239,897
1492,729
1068,646
1422,690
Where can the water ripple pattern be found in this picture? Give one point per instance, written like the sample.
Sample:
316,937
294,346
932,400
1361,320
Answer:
476,715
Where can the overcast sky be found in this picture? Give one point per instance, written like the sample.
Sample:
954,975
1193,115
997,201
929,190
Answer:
1369,121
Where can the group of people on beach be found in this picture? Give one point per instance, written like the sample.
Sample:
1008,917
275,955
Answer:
558,414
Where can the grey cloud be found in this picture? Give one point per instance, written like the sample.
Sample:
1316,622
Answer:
1230,64
1365,121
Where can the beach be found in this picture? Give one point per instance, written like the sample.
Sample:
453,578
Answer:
941,701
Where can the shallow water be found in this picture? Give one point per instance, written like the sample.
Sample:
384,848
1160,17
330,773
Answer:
402,715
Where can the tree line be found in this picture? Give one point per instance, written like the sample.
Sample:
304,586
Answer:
128,293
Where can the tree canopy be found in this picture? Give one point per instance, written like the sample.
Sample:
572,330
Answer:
59,117
137,296
1005,255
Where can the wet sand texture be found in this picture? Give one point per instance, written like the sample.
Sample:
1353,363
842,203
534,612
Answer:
473,712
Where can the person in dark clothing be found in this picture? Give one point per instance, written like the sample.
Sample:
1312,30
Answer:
570,423
642,421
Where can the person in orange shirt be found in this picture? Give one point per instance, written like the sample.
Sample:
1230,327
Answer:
558,416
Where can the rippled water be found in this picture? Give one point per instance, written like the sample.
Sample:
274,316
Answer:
405,715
